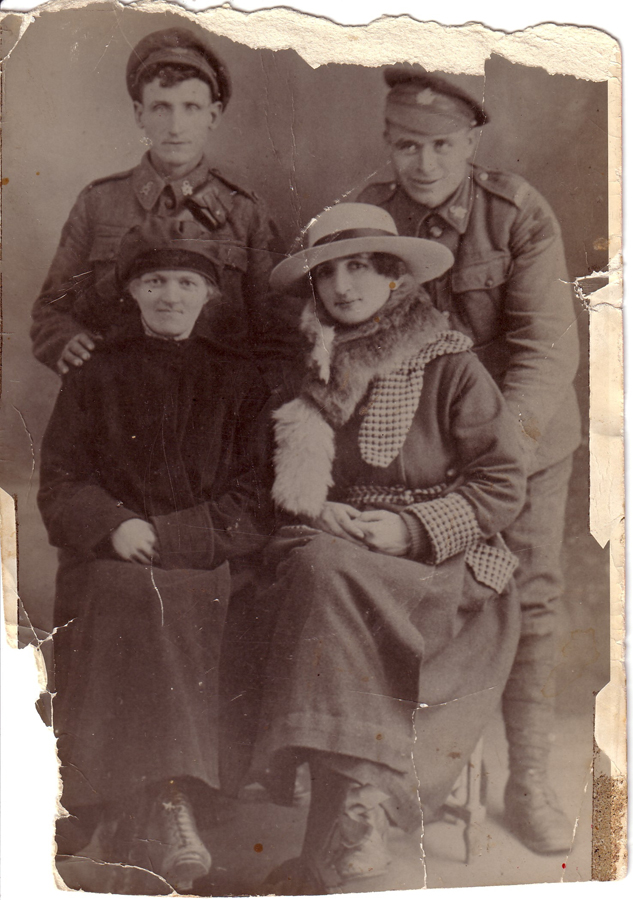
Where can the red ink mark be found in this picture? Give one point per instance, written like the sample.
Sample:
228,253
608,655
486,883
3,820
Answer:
564,865
258,848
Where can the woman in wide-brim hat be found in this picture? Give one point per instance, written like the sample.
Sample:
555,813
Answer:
396,466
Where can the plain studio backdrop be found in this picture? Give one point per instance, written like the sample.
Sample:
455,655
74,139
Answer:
302,139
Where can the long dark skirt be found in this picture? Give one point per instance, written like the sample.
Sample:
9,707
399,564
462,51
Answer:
389,667
137,656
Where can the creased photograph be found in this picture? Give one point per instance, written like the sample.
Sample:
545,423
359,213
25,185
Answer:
312,447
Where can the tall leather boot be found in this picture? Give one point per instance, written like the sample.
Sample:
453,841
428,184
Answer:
532,810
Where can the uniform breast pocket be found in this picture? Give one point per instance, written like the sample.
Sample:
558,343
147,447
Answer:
106,243
478,290
97,302
482,275
234,259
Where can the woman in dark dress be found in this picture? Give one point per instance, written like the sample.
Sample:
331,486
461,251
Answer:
152,484
396,466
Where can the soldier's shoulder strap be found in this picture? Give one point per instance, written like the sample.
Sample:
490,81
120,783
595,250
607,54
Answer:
117,176
511,187
377,192
233,186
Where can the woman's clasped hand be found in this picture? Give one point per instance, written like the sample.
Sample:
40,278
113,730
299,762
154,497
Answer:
376,529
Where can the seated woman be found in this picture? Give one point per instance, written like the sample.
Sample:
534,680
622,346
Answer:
152,479
397,466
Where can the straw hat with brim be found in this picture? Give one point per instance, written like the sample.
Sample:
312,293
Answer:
350,228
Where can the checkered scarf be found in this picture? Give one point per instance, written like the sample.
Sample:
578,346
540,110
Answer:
345,360
386,354
394,400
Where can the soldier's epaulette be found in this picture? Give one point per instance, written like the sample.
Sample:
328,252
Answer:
377,192
118,176
233,187
504,184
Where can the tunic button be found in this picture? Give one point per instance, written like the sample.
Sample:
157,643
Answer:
484,176
489,282
436,231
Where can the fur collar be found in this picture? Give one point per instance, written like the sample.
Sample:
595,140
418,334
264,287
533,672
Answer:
345,360
343,363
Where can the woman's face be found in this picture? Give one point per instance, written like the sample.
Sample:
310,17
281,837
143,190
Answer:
170,300
351,289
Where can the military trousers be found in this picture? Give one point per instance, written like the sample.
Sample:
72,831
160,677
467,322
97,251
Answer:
536,537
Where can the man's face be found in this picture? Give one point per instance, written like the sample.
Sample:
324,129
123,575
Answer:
170,300
430,168
177,120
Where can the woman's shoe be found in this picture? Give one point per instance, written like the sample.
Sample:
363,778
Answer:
294,877
357,846
184,857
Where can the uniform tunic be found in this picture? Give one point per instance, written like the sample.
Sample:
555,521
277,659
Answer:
159,430
80,292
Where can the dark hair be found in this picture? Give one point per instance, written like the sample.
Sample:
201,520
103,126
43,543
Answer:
169,75
385,264
388,265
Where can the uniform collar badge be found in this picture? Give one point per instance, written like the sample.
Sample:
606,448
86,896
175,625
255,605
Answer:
458,211
425,97
186,188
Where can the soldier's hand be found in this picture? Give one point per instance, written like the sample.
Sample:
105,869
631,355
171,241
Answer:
76,352
136,541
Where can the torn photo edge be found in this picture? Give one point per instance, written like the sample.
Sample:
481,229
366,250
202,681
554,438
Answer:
606,375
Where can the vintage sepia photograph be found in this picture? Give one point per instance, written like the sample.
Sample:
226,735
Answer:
296,422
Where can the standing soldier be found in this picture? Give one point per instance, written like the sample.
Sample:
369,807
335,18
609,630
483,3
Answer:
180,89
508,292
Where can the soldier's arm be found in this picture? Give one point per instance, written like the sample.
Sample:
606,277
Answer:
541,321
54,325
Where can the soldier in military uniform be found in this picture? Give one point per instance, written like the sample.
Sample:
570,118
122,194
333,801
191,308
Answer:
180,89
507,290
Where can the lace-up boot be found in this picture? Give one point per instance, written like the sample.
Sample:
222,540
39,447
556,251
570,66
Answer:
183,856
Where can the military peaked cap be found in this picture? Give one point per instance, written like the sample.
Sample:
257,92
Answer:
430,105
180,47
